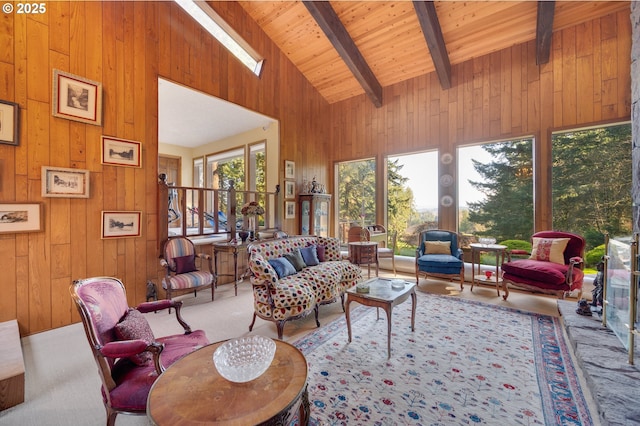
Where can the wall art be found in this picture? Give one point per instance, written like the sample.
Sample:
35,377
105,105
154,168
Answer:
20,217
67,183
9,123
121,152
77,98
120,224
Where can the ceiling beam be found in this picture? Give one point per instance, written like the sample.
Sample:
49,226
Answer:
544,31
329,22
432,32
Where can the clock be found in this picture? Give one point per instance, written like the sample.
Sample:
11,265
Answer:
446,180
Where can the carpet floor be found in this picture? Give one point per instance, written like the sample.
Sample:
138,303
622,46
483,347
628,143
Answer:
466,363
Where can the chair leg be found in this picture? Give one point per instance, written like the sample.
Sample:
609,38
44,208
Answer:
280,327
252,322
111,417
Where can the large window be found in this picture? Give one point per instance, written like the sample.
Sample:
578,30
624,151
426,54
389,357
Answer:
356,194
495,191
592,182
412,198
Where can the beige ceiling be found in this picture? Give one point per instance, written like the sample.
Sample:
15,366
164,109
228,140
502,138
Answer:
389,35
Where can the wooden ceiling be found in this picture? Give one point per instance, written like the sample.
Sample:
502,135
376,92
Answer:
382,43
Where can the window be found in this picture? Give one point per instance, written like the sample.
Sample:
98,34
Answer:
412,202
591,181
257,167
495,191
356,195
222,169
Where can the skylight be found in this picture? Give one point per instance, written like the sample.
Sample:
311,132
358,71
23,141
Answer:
217,27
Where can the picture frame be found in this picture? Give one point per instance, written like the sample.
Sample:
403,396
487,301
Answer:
20,217
289,209
77,98
65,183
9,123
120,224
121,152
289,189
289,169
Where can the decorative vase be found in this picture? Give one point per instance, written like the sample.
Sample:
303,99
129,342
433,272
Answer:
243,235
252,228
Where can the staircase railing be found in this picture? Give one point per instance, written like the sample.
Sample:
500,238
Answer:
204,212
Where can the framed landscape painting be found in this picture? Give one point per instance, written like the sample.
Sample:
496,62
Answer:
289,189
289,209
121,152
120,224
77,98
20,217
67,183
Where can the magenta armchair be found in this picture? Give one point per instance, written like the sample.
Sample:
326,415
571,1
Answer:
129,357
554,267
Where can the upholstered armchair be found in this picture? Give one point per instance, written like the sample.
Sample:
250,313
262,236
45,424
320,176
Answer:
128,355
554,266
182,274
438,255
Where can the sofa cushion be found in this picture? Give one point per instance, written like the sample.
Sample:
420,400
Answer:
537,270
282,266
440,264
296,259
549,249
310,255
320,250
185,264
134,326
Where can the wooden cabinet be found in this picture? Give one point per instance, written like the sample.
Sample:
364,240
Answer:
315,214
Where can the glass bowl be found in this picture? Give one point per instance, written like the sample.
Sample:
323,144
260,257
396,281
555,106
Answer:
245,358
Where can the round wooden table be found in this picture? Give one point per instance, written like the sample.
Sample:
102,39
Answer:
191,391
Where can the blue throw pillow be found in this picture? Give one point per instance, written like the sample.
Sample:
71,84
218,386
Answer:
310,255
282,266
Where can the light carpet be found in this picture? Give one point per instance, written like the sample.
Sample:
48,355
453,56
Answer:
466,363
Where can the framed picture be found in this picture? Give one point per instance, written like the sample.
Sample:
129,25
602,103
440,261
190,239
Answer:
289,189
120,224
9,123
121,152
289,169
289,209
20,217
77,98
68,183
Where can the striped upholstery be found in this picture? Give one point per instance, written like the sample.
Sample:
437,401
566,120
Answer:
189,281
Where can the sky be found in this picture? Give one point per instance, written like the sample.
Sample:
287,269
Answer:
422,170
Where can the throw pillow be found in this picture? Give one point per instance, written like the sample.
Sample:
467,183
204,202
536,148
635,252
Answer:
283,267
134,326
185,264
296,259
310,255
321,250
437,247
549,249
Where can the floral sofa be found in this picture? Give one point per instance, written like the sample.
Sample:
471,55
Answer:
281,293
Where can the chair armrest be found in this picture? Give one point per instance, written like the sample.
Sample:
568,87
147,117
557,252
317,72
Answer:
576,260
123,348
458,253
157,305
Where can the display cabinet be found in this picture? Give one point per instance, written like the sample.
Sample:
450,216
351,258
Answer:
315,214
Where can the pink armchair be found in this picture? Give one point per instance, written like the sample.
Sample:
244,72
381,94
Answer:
554,267
129,357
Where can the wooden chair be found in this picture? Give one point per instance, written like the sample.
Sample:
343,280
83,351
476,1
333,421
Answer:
389,252
181,272
129,357
358,233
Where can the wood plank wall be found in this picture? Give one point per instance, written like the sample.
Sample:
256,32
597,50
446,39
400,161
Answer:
126,46
499,96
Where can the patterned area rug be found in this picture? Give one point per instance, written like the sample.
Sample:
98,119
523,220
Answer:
466,363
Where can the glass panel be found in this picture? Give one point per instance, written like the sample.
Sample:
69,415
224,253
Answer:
321,218
305,218
412,203
356,183
495,194
618,280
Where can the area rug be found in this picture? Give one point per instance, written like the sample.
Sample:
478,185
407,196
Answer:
466,363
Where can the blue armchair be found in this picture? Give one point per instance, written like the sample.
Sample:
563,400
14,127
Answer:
439,255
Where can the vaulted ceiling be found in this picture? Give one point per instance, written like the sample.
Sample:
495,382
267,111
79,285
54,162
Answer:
347,48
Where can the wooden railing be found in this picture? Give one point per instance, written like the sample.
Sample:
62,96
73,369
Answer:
203,212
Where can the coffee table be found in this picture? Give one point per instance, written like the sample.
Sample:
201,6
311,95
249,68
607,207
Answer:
192,392
381,295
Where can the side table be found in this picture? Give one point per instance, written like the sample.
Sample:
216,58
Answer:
364,253
233,248
500,252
